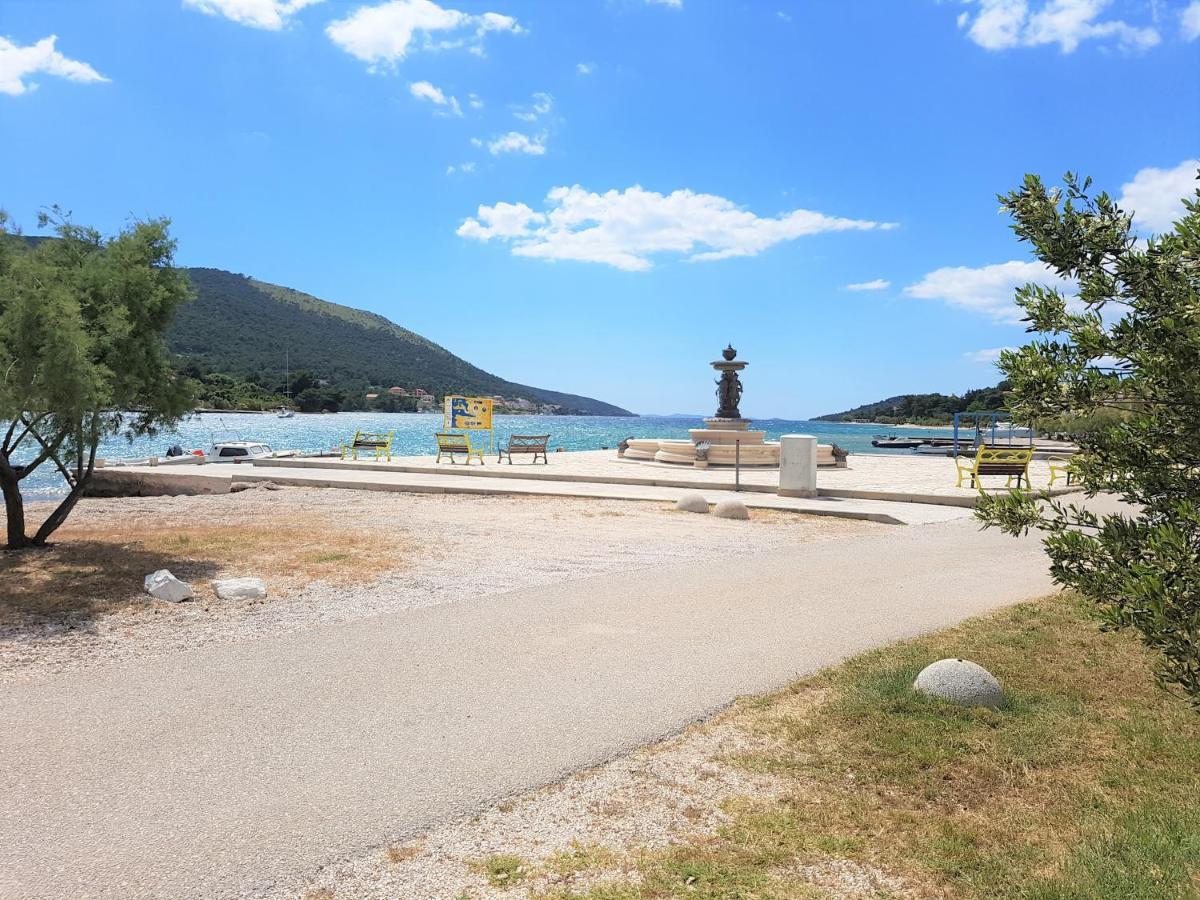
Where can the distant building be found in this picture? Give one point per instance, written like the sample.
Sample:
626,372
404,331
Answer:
372,396
399,391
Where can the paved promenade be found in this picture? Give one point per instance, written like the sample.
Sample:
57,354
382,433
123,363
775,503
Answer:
236,770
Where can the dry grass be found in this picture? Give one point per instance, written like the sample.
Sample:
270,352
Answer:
91,570
1085,786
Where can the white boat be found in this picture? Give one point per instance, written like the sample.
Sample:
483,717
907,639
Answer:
236,451
285,413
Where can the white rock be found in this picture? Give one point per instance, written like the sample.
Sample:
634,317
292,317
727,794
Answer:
960,681
240,588
692,503
162,585
731,508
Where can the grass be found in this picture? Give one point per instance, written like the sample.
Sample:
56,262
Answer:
1087,785
503,869
90,570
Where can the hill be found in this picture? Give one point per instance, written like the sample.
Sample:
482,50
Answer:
923,409
240,327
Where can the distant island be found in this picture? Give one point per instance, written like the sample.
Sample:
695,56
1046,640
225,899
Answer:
232,338
923,409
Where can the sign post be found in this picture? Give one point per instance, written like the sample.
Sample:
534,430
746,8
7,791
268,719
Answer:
469,414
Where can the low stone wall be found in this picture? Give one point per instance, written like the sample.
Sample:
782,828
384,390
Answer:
681,452
172,482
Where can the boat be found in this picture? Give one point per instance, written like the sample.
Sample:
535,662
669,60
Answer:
895,442
236,451
286,412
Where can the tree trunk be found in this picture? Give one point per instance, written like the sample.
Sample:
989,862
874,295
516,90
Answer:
56,518
14,510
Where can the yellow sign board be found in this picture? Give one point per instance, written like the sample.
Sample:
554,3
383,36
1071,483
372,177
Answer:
467,413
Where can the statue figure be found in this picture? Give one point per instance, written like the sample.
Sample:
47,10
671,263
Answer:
729,395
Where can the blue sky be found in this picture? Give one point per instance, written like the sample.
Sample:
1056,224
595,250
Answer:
597,195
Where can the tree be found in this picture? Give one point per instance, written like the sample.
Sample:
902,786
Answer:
1126,357
82,354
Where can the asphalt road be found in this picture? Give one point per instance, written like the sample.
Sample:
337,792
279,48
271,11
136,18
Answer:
236,770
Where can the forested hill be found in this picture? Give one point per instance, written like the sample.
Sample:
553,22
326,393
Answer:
923,409
240,327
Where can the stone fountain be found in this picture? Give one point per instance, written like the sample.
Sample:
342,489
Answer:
727,437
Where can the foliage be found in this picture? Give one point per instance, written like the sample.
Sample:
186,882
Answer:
81,325
241,327
1132,348
923,409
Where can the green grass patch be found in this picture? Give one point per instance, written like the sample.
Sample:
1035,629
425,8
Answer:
1085,785
503,869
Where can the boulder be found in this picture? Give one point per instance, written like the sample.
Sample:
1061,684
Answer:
692,503
731,508
240,588
162,585
238,486
962,682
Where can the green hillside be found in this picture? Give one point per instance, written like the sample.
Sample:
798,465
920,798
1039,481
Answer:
240,327
923,409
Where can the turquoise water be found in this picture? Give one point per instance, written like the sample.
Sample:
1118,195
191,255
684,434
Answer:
414,433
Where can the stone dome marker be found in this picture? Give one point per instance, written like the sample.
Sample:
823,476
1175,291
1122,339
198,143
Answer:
731,508
962,682
693,503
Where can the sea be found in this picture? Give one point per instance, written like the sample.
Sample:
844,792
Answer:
414,434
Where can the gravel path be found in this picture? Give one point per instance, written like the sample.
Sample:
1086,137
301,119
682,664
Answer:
503,543
239,768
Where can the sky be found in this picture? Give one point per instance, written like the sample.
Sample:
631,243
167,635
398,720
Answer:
596,196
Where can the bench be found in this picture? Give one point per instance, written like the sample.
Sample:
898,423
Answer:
1061,468
380,444
1007,461
525,443
449,444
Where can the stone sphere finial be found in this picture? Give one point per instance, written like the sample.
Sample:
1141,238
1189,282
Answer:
729,353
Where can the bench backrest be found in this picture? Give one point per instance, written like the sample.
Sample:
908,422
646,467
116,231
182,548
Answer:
1002,456
450,441
528,440
371,439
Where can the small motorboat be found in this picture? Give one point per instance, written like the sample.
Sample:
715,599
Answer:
895,442
236,451
285,413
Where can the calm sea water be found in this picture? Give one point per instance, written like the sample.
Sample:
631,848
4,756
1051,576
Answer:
414,434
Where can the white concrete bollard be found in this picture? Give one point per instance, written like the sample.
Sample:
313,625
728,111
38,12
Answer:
797,465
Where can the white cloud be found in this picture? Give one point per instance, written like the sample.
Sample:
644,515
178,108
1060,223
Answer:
476,142
785,17
423,90
990,290
18,63
541,105
1003,24
515,142
625,228
674,4
1189,21
474,101
269,14
990,356
878,284
383,35
589,68
463,168
1155,196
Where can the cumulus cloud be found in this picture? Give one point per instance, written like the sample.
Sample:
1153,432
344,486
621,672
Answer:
515,142
1189,21
625,228
989,356
541,105
383,35
463,168
878,284
18,63
674,4
589,68
474,101
423,90
269,14
1155,196
1003,24
989,290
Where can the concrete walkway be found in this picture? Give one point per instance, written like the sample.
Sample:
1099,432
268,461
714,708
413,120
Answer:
237,770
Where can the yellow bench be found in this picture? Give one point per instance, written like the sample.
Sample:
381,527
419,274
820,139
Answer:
380,444
1007,461
1061,468
449,444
